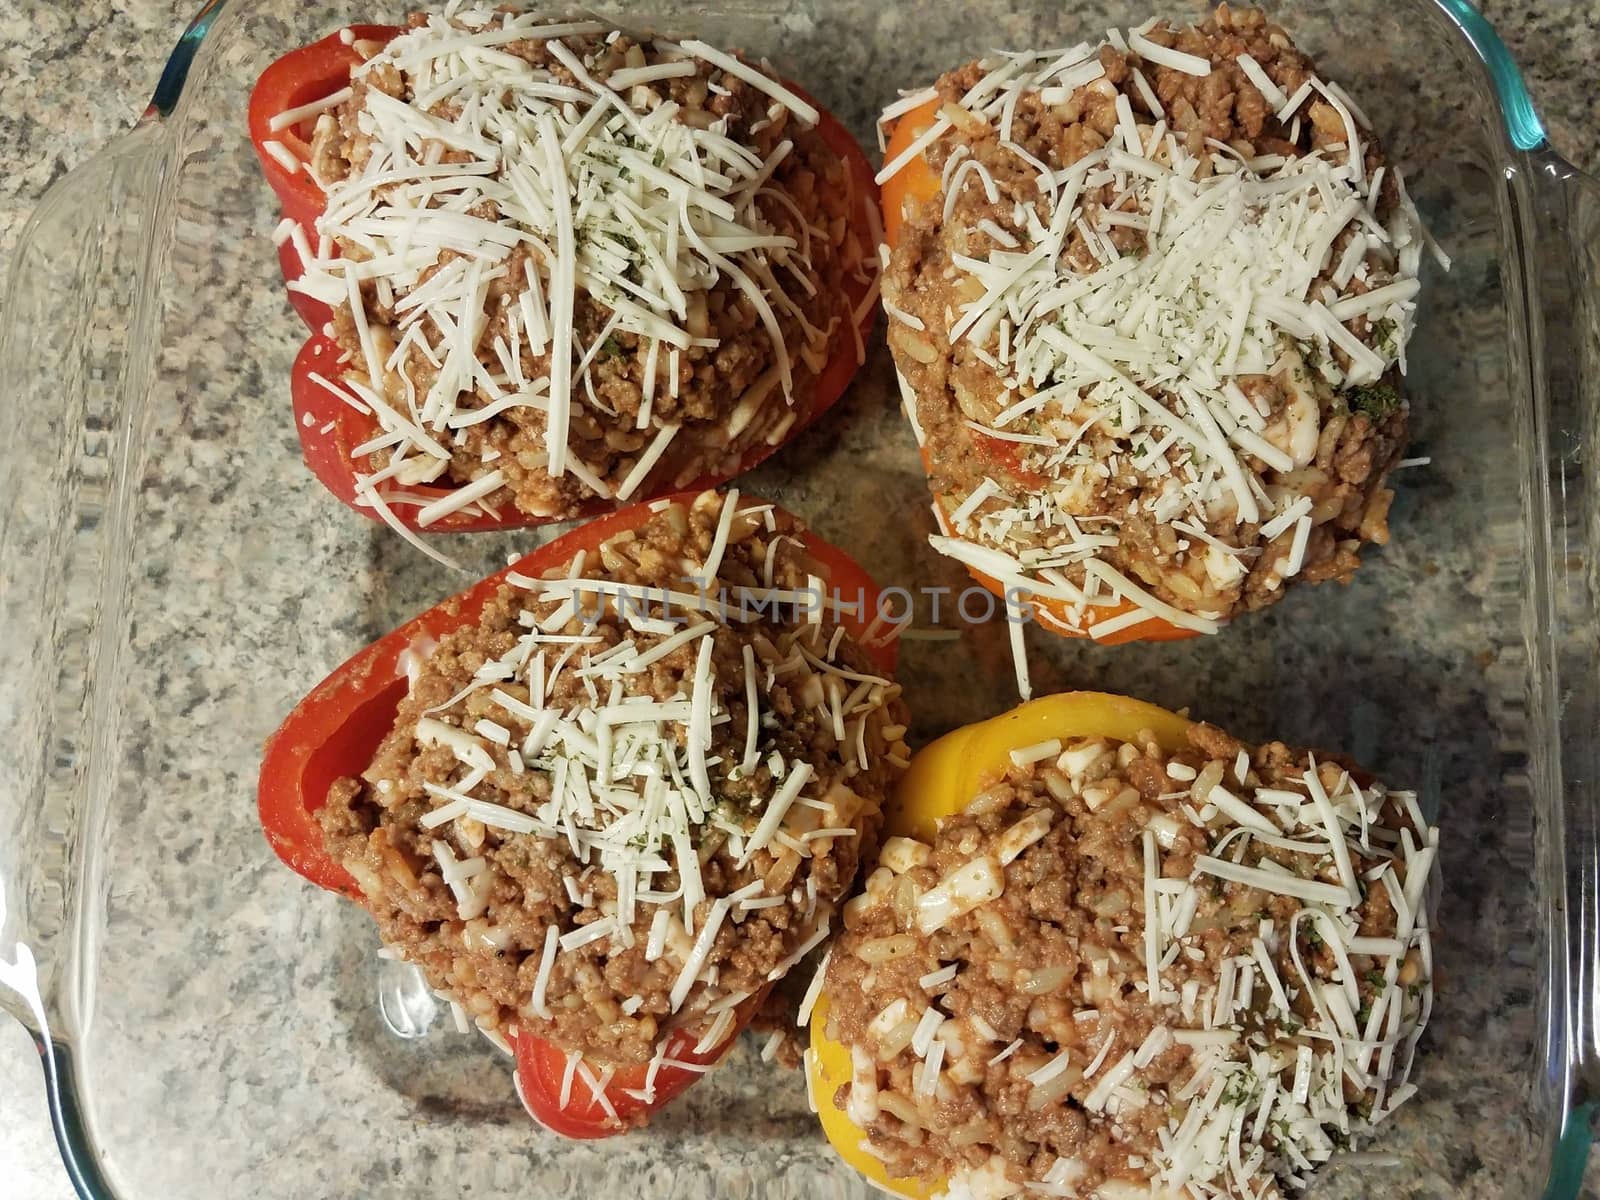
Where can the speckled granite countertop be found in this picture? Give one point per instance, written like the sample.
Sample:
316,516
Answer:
76,75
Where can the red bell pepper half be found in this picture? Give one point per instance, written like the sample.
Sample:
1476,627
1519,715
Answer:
313,72
335,732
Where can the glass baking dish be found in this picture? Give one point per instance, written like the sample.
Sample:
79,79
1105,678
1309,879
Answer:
172,579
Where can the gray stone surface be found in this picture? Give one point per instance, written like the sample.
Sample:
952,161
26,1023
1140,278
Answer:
76,75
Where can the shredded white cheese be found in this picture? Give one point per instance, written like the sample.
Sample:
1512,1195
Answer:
625,781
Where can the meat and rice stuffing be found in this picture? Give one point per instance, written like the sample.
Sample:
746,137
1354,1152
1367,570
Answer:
570,264
1120,968
1152,317
607,813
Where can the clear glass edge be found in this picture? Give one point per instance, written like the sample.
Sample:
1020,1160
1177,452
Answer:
1543,190
1556,211
32,990
169,88
27,989
1520,117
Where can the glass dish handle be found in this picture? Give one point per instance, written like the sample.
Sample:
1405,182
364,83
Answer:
78,344
1556,209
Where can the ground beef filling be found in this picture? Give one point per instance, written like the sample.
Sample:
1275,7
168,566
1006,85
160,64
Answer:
722,390
481,941
1337,441
1057,1070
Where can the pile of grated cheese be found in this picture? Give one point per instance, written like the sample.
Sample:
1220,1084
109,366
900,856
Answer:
634,784
1235,275
492,182
1266,1095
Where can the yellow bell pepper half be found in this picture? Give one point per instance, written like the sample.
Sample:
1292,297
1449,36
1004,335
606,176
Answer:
942,780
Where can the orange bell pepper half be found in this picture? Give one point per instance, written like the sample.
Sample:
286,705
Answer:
917,184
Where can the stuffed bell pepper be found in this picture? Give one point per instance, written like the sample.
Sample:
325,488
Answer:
1108,952
609,796
550,266
1150,300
